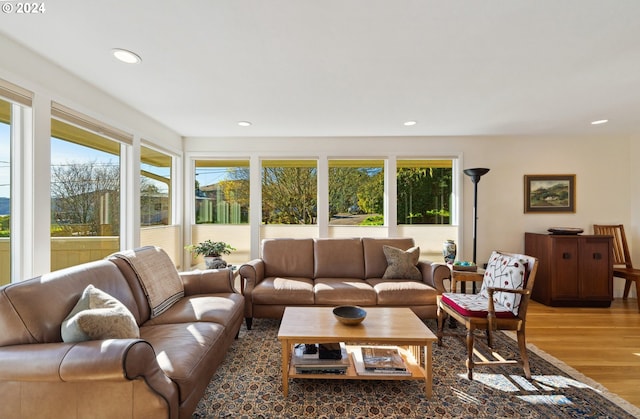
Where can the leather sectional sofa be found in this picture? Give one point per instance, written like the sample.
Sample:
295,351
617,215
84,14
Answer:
163,373
332,272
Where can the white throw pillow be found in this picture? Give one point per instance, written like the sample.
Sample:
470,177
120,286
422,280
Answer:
97,315
504,271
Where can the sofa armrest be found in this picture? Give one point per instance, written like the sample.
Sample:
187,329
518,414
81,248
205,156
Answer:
209,281
434,274
251,273
109,360
91,363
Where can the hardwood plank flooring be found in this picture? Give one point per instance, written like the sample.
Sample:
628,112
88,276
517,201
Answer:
601,343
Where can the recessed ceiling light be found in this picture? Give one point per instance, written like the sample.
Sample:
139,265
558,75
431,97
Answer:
600,121
410,123
244,123
126,56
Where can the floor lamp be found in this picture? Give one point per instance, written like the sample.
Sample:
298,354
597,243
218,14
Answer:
475,175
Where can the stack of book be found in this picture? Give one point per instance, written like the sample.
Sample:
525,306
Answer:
379,360
306,360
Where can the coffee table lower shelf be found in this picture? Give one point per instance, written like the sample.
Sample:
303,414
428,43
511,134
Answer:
409,354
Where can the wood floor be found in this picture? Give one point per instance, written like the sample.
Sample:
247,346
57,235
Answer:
601,343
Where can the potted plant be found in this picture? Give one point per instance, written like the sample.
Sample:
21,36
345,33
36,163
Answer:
212,252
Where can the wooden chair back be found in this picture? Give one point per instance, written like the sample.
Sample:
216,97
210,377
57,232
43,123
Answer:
621,255
532,269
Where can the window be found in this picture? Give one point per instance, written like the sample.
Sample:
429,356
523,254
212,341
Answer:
157,218
222,207
424,189
155,187
85,195
222,192
289,191
356,192
5,192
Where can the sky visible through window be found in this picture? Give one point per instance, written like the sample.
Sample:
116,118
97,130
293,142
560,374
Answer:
211,175
63,152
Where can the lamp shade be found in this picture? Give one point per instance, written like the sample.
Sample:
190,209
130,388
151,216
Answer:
475,173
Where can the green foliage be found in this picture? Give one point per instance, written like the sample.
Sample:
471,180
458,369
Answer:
423,195
344,184
210,248
371,194
289,195
5,222
373,220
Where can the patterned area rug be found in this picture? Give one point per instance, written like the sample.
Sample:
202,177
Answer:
249,385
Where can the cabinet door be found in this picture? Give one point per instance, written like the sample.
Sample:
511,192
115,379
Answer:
595,281
565,268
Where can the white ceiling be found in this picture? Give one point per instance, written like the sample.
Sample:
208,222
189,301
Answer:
354,67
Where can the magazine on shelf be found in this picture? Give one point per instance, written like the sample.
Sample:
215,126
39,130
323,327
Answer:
359,366
302,361
382,358
318,370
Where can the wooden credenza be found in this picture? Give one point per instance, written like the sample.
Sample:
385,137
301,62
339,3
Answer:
573,270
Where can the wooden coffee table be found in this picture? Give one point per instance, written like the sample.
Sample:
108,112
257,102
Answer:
382,326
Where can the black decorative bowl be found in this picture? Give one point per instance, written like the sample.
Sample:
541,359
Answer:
565,230
349,315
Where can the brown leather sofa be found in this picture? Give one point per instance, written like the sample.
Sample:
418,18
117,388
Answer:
163,374
332,272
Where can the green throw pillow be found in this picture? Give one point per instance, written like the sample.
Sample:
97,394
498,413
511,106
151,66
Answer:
402,264
97,315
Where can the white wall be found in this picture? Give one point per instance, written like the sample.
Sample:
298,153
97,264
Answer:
605,190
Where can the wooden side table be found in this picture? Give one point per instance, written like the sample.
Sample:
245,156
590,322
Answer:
464,277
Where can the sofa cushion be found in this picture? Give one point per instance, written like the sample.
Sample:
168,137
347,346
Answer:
338,291
474,305
224,309
288,257
338,258
375,262
287,291
185,351
401,264
97,315
394,292
157,275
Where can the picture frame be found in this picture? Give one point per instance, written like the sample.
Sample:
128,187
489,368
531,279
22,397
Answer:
549,193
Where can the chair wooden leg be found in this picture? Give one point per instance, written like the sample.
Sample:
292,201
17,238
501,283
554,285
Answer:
489,338
627,288
470,354
522,345
440,332
638,294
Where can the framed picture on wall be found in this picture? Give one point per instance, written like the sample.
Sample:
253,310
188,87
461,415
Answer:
549,193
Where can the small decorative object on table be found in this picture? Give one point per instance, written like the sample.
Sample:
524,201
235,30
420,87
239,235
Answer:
212,252
465,266
349,315
449,251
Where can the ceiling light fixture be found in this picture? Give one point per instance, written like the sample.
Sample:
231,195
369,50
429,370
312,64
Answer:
126,56
410,123
244,123
600,121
